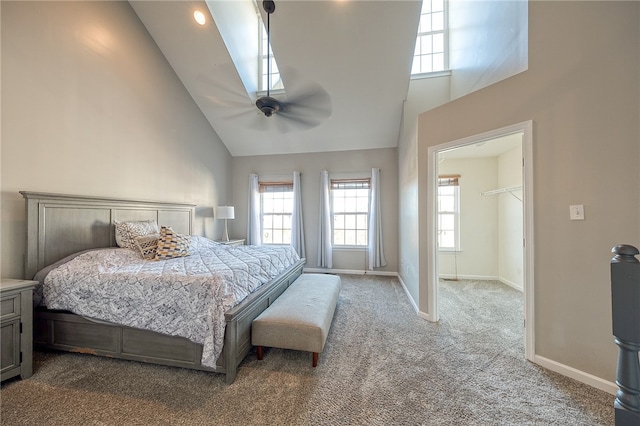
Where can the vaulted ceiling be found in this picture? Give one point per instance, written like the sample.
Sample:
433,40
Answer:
358,52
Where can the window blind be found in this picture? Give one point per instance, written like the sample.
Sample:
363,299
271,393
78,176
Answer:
351,183
448,180
276,186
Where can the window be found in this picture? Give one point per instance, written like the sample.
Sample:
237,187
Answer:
431,53
350,206
267,63
448,213
276,207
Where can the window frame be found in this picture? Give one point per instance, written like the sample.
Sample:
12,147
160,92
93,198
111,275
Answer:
449,181
276,187
445,33
342,185
277,84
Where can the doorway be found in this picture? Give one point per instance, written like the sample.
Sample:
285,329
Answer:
517,258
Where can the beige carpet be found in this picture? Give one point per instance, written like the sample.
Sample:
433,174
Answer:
382,365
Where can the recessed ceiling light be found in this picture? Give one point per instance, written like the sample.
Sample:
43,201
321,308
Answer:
199,17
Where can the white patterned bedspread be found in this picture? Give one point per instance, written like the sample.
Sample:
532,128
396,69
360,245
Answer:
185,296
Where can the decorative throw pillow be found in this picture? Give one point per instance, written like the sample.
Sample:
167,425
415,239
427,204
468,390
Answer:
126,232
171,244
147,245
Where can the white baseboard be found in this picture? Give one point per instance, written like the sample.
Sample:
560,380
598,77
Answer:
511,284
481,278
469,277
349,272
418,312
581,376
565,370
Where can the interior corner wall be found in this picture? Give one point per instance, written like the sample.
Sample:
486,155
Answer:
585,137
487,42
90,106
422,95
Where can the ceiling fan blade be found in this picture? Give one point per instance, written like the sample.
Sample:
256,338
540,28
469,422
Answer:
228,104
305,98
300,122
215,87
246,112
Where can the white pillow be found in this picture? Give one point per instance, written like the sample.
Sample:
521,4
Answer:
126,232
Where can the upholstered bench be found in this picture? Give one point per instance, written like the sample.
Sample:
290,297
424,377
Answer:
300,318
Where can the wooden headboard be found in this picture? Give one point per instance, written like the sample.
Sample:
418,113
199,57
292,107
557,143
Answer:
59,225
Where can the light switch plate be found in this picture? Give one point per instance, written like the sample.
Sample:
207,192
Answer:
576,212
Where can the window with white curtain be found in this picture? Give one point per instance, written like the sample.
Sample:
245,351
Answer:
350,211
276,209
448,213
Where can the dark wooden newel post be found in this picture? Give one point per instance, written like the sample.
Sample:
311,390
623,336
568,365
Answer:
625,308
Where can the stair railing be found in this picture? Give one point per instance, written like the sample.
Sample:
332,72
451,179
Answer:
625,309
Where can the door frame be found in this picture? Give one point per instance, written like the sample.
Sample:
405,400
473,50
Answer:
526,128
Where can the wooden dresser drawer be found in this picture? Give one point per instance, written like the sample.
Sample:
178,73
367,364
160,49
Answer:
16,317
10,307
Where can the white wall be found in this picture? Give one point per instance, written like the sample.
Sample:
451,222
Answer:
510,220
585,137
91,107
487,42
478,257
491,226
310,166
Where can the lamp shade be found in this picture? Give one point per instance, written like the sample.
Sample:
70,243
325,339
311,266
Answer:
225,212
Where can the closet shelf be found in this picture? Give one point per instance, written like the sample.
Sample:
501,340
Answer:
509,190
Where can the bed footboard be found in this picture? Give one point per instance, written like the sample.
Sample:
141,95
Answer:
238,330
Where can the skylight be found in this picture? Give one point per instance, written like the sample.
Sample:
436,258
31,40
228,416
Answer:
266,55
431,43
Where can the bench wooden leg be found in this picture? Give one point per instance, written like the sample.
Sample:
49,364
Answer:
315,359
260,353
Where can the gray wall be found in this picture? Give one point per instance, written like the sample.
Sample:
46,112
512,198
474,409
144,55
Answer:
586,151
310,166
423,94
91,107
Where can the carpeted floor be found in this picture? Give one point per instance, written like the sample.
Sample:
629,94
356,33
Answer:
382,365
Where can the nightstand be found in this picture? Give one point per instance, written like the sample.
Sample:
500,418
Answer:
232,242
16,316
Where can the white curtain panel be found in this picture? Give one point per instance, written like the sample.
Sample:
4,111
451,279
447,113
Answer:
325,250
253,224
376,249
297,227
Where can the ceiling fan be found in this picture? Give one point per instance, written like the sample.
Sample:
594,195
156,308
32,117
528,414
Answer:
307,104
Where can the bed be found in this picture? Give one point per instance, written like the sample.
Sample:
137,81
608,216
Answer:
60,225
